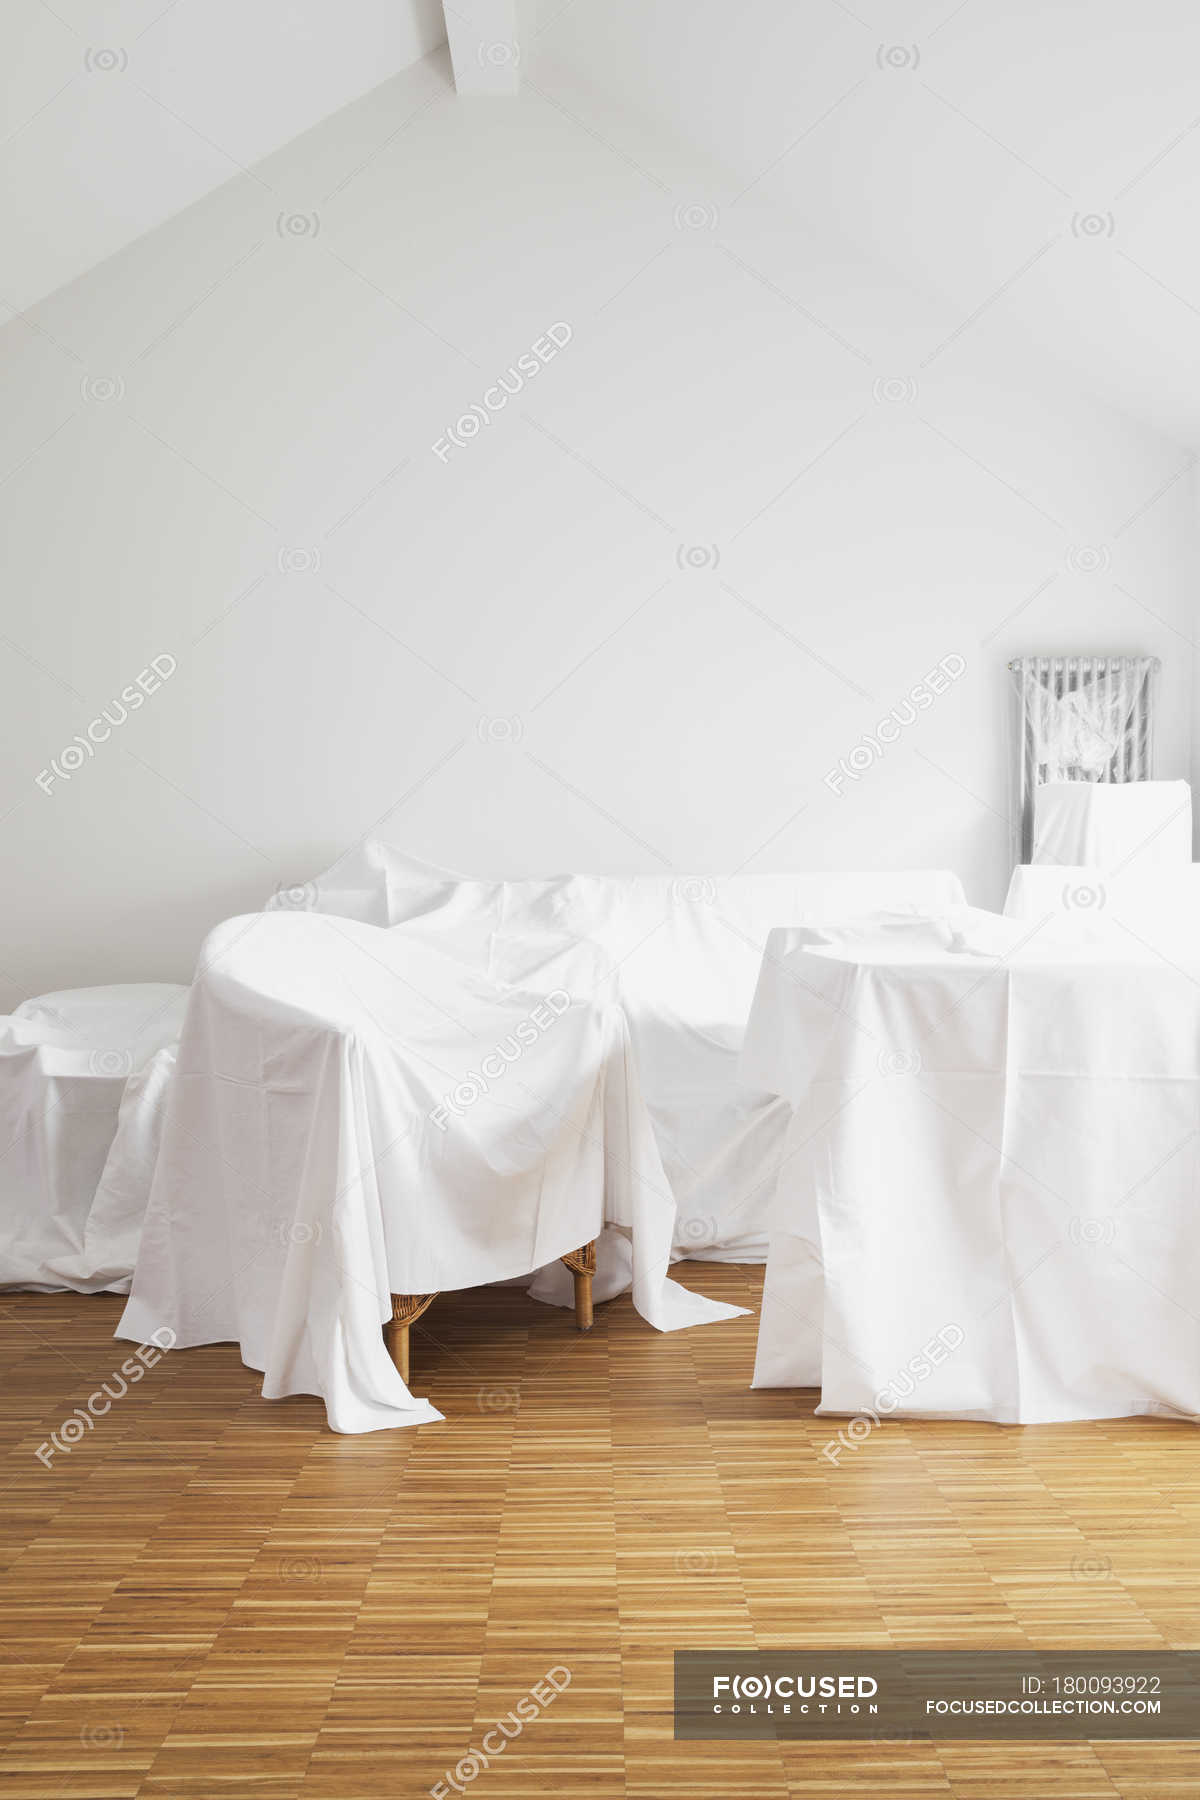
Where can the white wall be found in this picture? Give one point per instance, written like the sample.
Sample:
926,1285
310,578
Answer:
114,114
219,446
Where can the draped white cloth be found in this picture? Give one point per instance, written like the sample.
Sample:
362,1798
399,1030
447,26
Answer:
988,1209
355,1113
1141,825
680,953
71,1065
1152,904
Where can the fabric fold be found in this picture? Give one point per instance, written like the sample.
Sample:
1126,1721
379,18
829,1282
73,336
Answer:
345,1125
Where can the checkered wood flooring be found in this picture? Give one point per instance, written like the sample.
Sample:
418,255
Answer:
215,1596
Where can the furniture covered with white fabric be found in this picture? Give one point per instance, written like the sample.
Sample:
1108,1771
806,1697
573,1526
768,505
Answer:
988,1209
681,955
71,1064
1112,825
1151,903
357,1114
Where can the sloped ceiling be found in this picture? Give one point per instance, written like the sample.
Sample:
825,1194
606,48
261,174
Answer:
1038,160
1038,163
117,114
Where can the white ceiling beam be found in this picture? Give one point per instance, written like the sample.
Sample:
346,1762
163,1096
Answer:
488,41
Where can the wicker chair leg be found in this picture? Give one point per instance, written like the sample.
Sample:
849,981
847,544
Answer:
582,1264
406,1309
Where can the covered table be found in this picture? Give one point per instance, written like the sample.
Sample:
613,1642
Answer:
1141,825
356,1115
1157,905
987,1206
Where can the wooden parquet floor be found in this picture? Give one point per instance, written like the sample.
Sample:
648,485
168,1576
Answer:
211,1595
